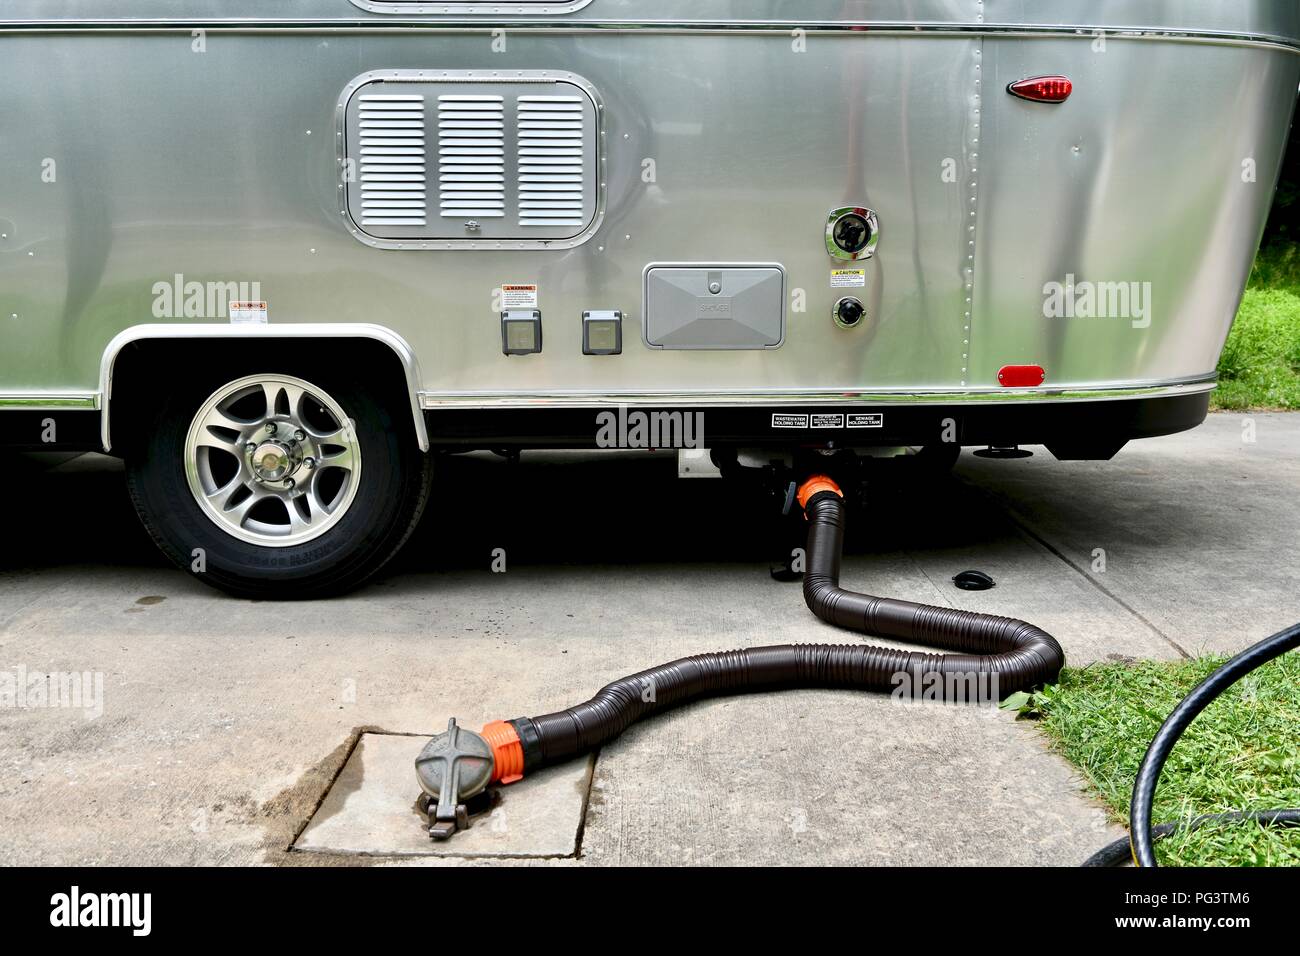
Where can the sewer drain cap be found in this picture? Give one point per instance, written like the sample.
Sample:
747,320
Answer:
453,767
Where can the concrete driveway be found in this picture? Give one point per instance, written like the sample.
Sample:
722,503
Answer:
233,731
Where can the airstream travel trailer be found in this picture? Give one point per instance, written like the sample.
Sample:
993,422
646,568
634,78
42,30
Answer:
277,256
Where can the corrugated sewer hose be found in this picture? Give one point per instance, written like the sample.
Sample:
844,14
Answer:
1002,654
998,654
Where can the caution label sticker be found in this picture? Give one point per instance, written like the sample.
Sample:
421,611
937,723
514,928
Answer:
849,279
518,297
828,421
247,313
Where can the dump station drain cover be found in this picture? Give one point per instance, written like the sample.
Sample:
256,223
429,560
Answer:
371,809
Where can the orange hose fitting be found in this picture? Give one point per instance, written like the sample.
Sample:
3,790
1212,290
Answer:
507,751
815,485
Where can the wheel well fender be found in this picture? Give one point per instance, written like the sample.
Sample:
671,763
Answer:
135,348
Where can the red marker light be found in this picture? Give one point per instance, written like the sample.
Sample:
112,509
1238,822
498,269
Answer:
1021,376
1043,89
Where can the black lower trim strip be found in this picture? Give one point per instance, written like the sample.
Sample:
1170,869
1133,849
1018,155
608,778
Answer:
63,429
1075,424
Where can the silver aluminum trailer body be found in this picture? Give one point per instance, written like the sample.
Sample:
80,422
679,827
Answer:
410,191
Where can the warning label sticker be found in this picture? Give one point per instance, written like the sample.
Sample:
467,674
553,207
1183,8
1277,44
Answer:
247,313
828,421
789,421
518,297
849,279
867,420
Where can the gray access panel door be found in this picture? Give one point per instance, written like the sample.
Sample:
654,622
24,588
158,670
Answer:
714,306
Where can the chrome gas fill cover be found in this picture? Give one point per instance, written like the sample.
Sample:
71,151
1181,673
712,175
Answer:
852,233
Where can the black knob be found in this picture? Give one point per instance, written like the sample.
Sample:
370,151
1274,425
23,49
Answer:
849,312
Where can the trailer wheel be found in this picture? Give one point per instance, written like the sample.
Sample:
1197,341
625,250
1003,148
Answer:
278,487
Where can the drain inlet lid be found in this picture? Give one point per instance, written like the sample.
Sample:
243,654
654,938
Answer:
974,581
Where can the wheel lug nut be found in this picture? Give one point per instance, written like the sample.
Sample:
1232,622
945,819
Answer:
270,427
299,435
250,447
309,462
290,483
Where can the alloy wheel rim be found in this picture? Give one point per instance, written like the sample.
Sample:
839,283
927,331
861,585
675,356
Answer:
272,460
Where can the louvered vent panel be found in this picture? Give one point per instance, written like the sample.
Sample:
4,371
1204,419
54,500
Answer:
471,157
461,161
393,170
552,161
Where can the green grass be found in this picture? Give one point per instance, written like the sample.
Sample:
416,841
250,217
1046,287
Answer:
1260,367
1241,753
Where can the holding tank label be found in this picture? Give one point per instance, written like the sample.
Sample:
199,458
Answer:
518,297
867,420
789,421
849,279
829,420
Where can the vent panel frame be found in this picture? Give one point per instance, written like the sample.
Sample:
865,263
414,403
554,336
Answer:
481,7
521,154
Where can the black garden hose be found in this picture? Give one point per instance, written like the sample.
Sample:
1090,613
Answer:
1001,655
1141,834
1120,852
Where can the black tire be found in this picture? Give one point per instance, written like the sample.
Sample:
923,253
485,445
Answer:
391,494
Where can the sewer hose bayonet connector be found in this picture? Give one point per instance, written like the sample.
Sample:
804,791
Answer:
999,656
